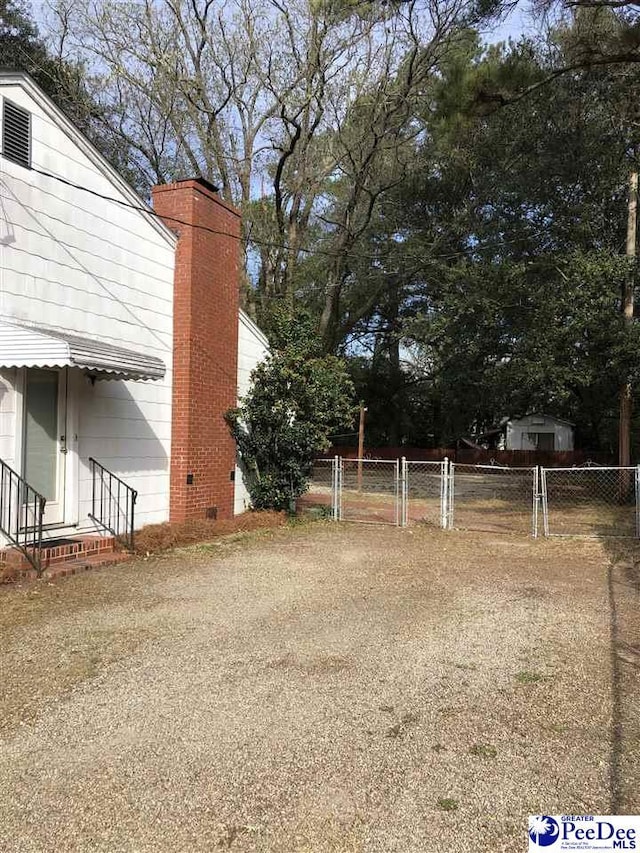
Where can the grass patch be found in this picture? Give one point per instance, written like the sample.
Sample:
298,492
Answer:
556,728
316,512
526,677
483,750
447,804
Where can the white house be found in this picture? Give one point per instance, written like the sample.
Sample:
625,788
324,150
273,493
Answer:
253,347
119,336
539,432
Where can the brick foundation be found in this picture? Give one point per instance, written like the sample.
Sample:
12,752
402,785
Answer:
205,348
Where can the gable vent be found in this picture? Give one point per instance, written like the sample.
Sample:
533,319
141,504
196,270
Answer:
16,134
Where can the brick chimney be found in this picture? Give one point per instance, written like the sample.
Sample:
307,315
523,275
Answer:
205,347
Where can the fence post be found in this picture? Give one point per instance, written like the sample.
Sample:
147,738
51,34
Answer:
536,500
444,494
637,501
333,489
544,500
403,491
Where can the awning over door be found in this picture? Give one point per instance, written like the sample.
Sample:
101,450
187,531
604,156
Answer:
31,346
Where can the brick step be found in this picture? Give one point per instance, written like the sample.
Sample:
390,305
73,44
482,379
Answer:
85,564
12,574
80,547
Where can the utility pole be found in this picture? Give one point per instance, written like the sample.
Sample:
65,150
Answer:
624,435
361,445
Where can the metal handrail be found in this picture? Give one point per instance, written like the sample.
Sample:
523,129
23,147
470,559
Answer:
21,514
112,503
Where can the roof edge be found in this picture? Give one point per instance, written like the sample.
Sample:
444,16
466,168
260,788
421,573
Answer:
542,415
253,327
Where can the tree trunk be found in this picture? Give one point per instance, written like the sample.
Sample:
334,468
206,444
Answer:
624,438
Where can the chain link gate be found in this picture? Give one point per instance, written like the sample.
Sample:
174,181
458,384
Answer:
493,498
591,501
424,492
369,491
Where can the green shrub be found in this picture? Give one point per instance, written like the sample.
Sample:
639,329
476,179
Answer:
298,397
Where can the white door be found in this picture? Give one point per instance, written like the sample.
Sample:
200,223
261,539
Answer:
44,440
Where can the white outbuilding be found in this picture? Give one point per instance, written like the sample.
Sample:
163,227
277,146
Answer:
539,432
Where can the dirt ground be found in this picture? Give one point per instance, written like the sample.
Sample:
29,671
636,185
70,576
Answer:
325,687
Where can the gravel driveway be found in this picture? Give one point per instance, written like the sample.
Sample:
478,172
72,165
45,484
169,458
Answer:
321,688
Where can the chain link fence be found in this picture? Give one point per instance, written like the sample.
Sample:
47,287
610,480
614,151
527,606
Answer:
590,501
369,490
424,492
493,498
322,494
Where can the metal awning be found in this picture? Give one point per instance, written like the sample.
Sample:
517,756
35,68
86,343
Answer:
32,346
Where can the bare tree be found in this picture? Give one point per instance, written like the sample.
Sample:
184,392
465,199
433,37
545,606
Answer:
301,112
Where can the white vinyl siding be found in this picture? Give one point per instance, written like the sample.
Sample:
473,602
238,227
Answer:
72,261
253,346
8,417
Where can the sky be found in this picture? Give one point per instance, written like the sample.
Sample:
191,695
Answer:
513,26
517,22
